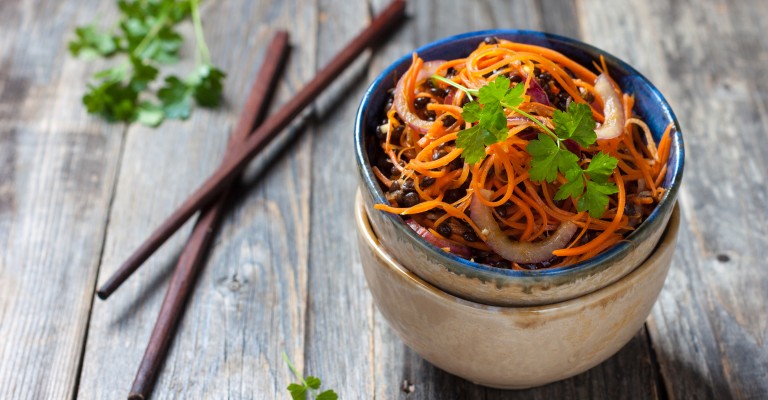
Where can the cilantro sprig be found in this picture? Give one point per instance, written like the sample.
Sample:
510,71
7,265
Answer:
309,385
145,37
590,187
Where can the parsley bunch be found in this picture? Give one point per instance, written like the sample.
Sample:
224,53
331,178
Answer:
146,38
310,385
590,187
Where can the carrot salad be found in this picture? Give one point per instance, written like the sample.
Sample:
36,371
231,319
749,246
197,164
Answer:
517,157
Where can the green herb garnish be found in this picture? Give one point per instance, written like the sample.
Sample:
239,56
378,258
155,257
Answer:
549,155
146,37
310,385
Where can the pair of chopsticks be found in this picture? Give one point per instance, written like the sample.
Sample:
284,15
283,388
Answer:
248,139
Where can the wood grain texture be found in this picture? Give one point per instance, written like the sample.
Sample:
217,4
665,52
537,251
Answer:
57,170
284,273
339,326
709,327
248,306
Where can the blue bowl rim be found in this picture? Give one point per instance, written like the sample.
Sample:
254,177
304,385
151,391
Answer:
621,248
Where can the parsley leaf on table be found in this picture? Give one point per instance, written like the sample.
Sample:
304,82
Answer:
91,43
146,36
176,98
207,84
309,385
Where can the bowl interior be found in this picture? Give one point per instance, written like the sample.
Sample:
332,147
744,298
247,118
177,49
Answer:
650,105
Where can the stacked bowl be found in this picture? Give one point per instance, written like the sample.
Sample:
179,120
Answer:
509,328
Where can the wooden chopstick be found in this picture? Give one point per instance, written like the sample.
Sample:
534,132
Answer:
190,260
220,179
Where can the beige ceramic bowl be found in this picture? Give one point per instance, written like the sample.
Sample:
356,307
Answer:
512,347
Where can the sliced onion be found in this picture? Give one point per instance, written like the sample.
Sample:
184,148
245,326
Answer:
519,252
612,109
536,93
459,250
413,120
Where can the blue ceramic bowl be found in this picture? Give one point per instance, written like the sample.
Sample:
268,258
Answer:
489,285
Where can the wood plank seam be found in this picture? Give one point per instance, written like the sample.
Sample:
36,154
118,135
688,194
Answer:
115,184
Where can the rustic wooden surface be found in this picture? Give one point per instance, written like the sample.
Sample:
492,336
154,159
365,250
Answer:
77,194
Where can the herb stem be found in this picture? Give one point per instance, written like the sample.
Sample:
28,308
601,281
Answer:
464,89
296,372
202,47
535,121
142,46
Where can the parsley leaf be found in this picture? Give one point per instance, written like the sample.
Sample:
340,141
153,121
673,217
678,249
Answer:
544,152
313,382
176,97
207,83
471,112
298,392
595,198
91,43
473,141
488,112
327,395
576,123
309,385
150,114
573,188
494,91
549,156
146,36
601,167
591,186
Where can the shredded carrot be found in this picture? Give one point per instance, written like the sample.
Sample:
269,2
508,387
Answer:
429,162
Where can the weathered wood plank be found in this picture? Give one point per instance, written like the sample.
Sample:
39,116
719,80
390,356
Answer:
709,327
249,304
57,170
339,345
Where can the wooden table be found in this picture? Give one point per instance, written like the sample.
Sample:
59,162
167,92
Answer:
78,194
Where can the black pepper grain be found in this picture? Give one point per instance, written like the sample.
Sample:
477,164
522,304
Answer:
490,40
448,120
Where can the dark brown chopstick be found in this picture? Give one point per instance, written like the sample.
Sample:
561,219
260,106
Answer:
189,262
220,179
